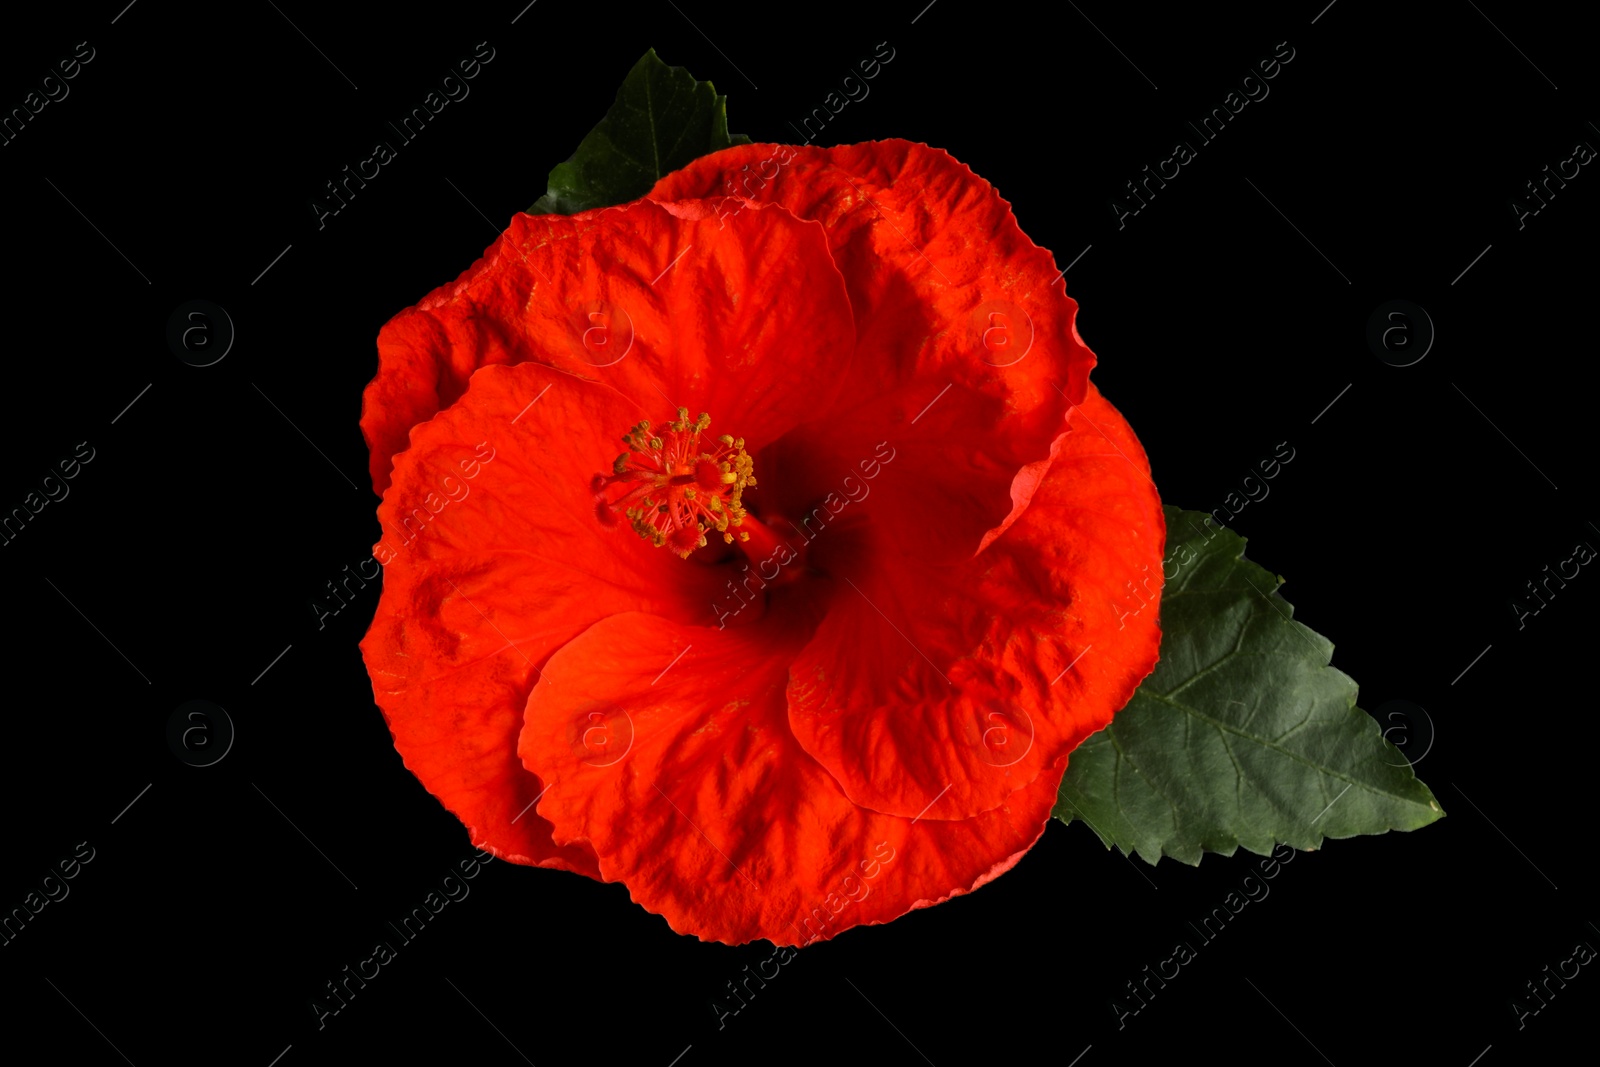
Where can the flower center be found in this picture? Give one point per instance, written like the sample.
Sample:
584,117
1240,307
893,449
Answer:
674,487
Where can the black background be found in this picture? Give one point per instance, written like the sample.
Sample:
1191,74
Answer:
190,549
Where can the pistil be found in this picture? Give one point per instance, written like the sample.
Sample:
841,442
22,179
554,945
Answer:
674,487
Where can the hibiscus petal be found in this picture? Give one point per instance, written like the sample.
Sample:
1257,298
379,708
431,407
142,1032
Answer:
668,306
945,284
938,684
950,297
708,809
493,559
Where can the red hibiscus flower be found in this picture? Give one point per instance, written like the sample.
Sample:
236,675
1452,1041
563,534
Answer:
757,544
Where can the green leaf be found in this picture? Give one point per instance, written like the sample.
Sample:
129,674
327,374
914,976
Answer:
1243,735
661,120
